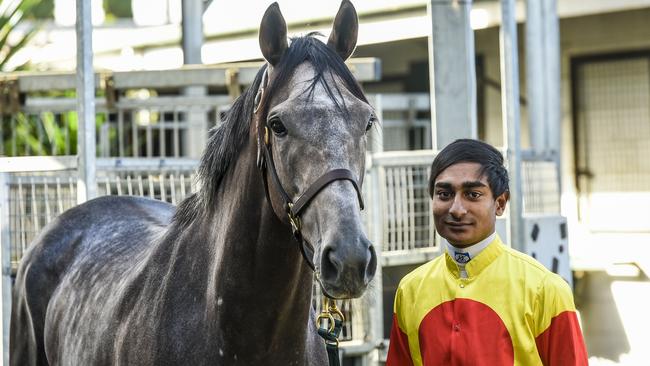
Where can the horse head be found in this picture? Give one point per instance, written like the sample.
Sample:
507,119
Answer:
313,121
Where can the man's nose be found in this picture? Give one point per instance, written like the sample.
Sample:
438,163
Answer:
457,209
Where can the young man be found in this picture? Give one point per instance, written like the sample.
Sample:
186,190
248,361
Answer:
481,303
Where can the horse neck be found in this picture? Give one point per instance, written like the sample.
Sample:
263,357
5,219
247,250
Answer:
261,282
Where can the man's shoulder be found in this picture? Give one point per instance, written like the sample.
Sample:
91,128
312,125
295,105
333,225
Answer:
526,262
416,276
534,269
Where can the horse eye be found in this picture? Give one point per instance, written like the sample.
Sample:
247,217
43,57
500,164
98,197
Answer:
371,122
277,127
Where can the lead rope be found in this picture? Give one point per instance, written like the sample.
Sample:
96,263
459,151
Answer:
329,323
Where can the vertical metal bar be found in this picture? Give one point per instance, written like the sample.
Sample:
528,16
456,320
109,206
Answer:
183,194
118,184
535,85
86,148
553,81
149,136
411,203
73,192
22,213
134,132
107,183
163,191
391,207
129,185
177,152
36,222
5,260
140,188
452,72
511,127
403,212
172,188
161,135
192,37
120,133
59,200
105,148
151,191
46,194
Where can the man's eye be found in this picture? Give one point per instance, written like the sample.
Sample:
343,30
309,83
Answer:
474,195
443,194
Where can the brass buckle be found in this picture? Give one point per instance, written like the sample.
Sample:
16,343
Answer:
325,314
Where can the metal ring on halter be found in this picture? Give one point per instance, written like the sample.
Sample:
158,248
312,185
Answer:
326,314
334,310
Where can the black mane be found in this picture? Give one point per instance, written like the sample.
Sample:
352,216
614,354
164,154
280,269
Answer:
226,141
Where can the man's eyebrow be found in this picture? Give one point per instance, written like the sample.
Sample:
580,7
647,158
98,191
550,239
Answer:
474,184
443,185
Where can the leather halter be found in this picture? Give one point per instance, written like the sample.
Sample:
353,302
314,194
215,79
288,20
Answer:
292,209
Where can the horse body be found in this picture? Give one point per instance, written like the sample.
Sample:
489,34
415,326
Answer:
218,280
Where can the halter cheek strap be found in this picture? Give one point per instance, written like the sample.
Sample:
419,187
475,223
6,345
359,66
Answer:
292,209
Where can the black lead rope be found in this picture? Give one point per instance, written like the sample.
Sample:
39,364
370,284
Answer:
331,338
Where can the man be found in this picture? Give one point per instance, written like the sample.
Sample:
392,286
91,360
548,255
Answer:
481,303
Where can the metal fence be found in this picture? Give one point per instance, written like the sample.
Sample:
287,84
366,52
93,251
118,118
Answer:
36,197
40,188
138,114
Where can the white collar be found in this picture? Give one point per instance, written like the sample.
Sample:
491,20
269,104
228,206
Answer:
464,255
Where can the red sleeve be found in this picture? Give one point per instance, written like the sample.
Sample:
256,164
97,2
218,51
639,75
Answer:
399,353
562,343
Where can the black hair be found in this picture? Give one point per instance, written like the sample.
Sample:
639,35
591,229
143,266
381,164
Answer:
472,151
323,59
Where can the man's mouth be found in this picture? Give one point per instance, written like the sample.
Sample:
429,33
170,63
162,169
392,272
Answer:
457,224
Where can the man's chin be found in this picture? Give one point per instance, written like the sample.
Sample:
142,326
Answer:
459,239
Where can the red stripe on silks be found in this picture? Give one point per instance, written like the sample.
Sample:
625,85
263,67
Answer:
399,353
465,332
562,343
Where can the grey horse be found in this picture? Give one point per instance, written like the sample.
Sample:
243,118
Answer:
218,280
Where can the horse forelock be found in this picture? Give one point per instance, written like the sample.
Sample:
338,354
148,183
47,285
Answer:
226,141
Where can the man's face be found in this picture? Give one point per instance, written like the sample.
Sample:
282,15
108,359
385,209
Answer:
464,209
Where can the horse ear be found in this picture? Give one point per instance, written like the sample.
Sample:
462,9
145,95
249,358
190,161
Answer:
345,30
273,34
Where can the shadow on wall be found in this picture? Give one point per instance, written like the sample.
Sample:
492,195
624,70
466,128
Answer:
612,308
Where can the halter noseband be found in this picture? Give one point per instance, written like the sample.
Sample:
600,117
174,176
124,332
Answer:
292,209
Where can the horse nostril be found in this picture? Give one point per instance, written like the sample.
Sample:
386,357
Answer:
371,267
330,266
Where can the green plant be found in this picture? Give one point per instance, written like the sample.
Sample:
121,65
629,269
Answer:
12,14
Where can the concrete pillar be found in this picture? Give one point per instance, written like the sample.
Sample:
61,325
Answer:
452,72
511,120
197,133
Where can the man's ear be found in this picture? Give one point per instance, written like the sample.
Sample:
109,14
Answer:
501,202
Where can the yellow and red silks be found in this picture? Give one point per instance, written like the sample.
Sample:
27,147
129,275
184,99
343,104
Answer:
509,311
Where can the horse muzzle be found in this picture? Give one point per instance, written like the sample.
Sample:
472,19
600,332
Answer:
347,266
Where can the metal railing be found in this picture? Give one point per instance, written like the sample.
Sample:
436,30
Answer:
138,113
36,196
